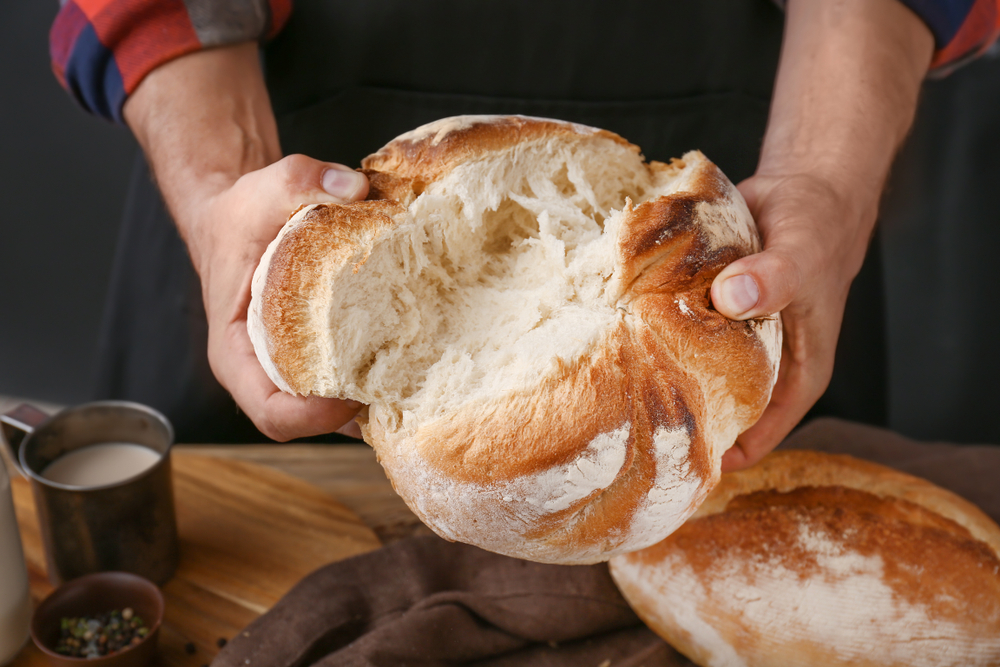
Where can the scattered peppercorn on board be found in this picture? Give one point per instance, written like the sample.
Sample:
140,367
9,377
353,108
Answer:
248,533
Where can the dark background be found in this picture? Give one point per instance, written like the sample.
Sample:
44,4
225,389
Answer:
64,176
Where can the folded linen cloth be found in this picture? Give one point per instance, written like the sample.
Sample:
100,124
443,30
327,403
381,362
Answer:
427,602
424,601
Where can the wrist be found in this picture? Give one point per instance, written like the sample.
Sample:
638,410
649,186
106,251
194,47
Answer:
855,199
203,120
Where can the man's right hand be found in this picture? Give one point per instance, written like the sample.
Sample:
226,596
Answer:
238,224
205,123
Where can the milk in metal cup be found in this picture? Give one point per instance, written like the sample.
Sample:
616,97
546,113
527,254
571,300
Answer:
101,464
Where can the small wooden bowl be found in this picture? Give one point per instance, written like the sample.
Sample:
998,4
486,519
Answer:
94,594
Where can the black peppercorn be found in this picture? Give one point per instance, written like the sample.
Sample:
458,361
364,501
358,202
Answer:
103,634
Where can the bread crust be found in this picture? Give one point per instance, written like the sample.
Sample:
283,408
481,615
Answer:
429,152
823,559
280,312
605,449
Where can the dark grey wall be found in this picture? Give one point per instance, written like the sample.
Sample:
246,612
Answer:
941,234
63,176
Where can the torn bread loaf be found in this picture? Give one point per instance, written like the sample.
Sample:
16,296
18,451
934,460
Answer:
524,306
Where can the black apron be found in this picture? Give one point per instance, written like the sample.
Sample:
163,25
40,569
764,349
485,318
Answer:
347,77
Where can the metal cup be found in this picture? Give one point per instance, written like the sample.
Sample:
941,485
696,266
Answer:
126,526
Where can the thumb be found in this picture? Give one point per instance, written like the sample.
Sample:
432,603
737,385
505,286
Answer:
756,285
298,179
764,283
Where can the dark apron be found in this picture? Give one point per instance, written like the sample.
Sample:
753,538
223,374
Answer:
346,77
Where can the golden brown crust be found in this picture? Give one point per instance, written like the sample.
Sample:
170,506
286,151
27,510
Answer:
791,469
386,186
657,223
915,544
296,272
636,386
426,156
820,543
672,262
671,294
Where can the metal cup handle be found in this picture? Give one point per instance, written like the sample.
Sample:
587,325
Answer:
16,425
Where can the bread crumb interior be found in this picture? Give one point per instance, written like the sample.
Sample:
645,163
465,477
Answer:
498,271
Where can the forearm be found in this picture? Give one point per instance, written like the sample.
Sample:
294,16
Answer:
846,92
203,120
845,97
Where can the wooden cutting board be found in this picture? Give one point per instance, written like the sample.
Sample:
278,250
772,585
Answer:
248,533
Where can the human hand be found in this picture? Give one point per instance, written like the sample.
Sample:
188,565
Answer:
814,244
233,228
844,99
204,121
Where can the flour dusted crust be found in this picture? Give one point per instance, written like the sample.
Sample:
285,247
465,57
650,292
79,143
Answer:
821,559
524,306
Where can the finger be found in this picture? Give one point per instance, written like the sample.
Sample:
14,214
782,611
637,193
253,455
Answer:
296,180
805,371
277,415
317,181
756,442
794,247
344,184
786,409
286,417
736,458
757,285
351,429
788,405
748,188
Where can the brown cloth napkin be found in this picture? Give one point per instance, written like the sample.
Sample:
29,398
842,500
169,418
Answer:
426,602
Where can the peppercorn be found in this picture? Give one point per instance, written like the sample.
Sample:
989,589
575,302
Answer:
100,635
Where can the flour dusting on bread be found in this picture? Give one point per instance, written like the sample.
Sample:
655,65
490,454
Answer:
776,569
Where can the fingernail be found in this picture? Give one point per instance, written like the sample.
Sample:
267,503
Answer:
341,183
352,404
741,293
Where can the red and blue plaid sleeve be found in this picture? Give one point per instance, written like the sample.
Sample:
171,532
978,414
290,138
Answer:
962,29
102,49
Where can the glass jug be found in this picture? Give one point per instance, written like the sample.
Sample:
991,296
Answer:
15,597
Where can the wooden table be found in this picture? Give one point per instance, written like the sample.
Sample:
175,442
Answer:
253,520
349,473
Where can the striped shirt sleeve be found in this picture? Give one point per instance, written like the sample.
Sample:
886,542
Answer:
102,49
962,29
